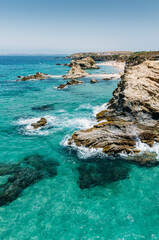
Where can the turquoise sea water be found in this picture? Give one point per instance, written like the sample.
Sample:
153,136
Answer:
85,200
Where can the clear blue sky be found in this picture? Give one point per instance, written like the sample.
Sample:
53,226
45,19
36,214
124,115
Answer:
66,26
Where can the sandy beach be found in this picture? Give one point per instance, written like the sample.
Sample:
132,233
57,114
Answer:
107,76
104,75
119,65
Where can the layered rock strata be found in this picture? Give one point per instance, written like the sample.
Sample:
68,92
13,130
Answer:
132,114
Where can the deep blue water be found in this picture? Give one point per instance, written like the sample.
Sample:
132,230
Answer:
85,199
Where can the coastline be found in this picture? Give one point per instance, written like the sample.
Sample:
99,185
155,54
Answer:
128,110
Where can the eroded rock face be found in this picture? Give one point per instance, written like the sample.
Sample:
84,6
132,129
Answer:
130,114
41,123
37,76
75,72
85,63
72,82
23,174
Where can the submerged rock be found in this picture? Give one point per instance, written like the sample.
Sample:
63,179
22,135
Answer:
42,108
41,123
75,72
129,116
93,80
72,82
148,159
99,173
23,174
37,76
85,63
108,78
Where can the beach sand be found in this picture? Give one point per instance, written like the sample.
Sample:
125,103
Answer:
119,65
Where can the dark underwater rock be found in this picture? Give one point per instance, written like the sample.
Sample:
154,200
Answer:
23,174
42,108
147,159
99,173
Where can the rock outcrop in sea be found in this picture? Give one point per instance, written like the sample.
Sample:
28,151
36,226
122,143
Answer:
68,83
75,72
132,115
85,63
93,80
41,123
37,76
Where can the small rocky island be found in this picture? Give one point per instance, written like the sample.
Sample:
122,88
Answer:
132,114
41,123
68,83
85,63
75,72
37,76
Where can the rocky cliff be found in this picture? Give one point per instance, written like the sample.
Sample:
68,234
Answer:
103,56
131,58
132,114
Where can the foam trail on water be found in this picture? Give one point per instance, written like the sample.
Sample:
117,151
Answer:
84,106
143,147
29,130
57,123
82,152
100,108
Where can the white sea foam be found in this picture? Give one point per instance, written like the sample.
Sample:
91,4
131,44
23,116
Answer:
84,106
99,108
82,152
82,123
143,147
29,130
58,123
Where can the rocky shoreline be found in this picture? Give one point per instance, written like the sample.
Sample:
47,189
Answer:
132,115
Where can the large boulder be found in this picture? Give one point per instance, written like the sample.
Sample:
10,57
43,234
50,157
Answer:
75,72
85,63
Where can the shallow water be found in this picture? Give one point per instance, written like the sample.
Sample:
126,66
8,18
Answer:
91,197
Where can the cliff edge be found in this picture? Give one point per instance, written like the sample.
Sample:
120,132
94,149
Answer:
132,114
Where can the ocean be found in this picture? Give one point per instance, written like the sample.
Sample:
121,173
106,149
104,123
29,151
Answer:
82,194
